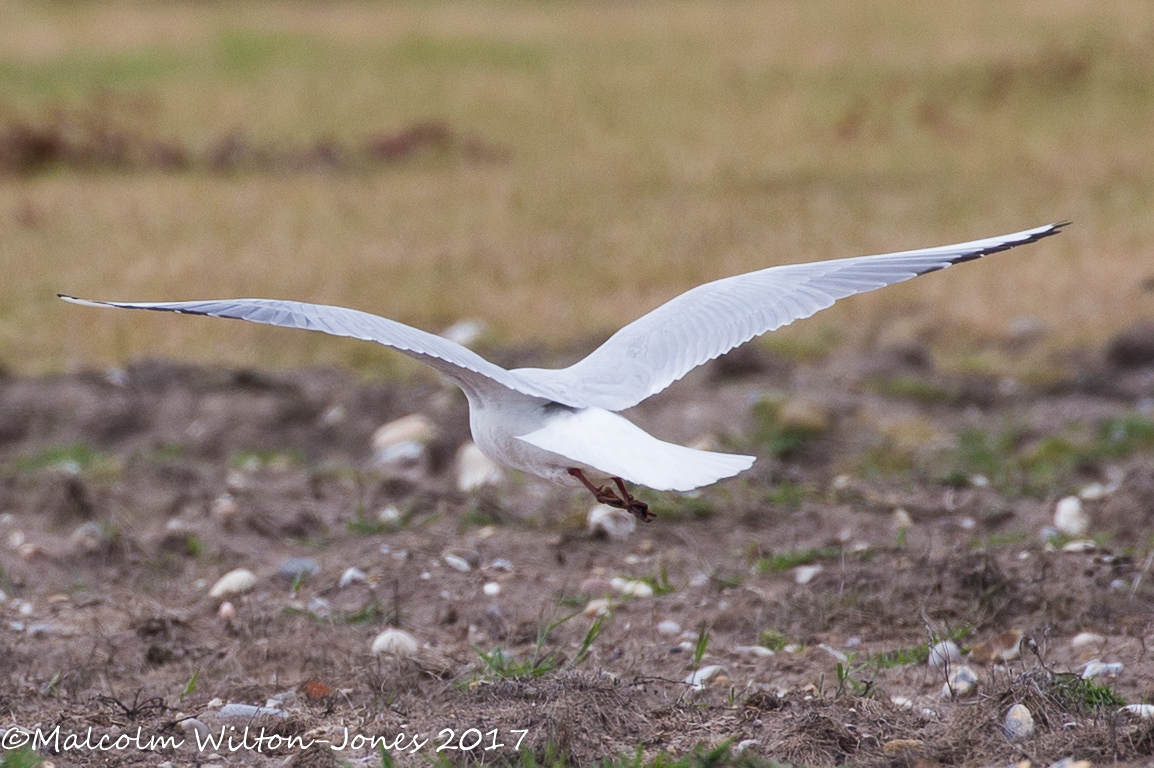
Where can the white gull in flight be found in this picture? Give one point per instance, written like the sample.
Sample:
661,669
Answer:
563,424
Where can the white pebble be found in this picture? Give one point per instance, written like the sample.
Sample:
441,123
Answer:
227,611
491,589
1092,492
838,656
458,563
704,676
224,508
1144,711
233,582
351,575
902,702
616,524
754,650
1080,546
475,469
1069,518
465,332
16,539
403,440
962,682
902,519
395,642
233,711
1101,669
320,608
191,725
803,574
389,515
1086,638
1019,723
631,588
944,654
1070,762
88,537
597,607
668,627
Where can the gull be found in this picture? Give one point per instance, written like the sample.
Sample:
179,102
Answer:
564,424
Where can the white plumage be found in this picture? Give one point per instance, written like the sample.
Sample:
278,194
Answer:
562,423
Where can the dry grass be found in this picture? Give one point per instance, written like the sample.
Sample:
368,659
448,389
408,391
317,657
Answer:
652,146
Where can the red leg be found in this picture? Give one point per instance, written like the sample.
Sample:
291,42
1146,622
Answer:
604,494
638,509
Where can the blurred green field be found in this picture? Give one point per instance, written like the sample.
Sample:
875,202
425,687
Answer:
650,146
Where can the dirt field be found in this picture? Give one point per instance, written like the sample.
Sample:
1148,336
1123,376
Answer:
127,494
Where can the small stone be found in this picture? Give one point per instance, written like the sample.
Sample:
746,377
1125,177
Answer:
234,711
1101,669
838,656
224,508
702,677
491,589
1070,762
668,627
1069,517
475,469
501,564
1093,492
390,516
16,539
962,682
351,575
944,654
293,569
1144,711
395,642
190,726
29,552
465,332
89,537
233,582
632,588
803,574
227,611
1086,638
458,563
598,607
320,608
1019,724
759,651
902,519
611,523
902,702
1080,546
402,441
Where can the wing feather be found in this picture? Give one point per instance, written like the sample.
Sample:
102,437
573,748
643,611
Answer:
659,348
449,358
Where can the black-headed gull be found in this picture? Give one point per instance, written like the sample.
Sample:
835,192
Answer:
563,424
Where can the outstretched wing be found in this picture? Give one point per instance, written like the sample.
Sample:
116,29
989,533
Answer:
659,348
462,365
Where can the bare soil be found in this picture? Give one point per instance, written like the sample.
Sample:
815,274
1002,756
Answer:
127,494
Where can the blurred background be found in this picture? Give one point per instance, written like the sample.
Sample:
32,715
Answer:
555,169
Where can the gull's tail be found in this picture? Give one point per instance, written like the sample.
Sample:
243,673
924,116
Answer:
612,444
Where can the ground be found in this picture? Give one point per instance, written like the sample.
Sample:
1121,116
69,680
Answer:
126,494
